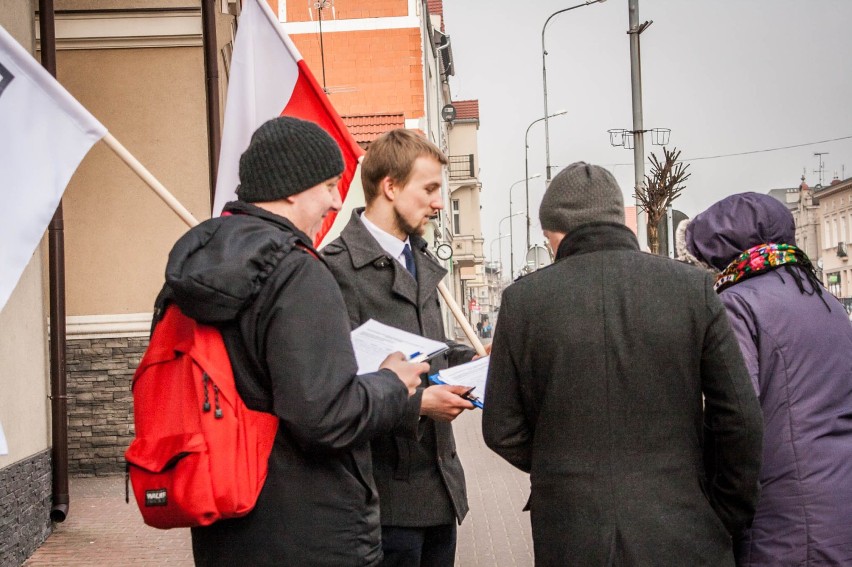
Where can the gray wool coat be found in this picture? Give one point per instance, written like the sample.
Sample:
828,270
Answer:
418,473
595,388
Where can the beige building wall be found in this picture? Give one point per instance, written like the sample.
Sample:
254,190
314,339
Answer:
24,381
465,219
835,228
145,82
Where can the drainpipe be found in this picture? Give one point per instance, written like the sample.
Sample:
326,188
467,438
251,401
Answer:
211,78
56,252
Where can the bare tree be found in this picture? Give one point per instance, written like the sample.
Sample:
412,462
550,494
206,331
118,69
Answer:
662,186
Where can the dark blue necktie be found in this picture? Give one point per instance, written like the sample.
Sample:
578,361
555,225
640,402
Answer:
409,261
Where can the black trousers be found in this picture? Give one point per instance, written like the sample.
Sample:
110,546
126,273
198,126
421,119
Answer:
434,546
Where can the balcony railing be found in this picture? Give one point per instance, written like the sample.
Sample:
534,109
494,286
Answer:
461,167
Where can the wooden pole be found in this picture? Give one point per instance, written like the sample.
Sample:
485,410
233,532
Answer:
148,178
457,313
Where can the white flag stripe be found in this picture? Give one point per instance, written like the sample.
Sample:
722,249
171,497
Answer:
45,135
276,25
262,77
354,199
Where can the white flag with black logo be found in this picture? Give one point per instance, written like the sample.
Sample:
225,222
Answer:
44,135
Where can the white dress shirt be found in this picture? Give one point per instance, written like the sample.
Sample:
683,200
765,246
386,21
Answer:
389,243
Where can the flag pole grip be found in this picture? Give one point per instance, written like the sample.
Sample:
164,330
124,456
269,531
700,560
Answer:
148,178
465,325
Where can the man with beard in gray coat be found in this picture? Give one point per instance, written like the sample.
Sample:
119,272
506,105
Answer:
386,273
617,383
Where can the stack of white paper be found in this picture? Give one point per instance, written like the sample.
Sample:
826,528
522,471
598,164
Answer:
473,375
374,341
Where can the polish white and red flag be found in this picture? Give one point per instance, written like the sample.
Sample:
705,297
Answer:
269,78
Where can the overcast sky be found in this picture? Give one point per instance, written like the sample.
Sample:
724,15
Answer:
727,76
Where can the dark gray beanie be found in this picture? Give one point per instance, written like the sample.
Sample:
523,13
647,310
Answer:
287,156
581,194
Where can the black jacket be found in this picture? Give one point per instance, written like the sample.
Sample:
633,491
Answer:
419,475
595,388
285,328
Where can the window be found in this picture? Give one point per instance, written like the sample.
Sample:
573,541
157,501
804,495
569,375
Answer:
456,217
842,229
827,240
834,283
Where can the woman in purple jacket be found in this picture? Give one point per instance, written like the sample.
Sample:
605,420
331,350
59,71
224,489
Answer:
797,343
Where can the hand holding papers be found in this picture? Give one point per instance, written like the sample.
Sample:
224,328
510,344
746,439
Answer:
408,372
473,375
373,342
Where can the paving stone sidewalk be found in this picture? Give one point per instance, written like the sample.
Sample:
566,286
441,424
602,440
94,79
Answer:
101,530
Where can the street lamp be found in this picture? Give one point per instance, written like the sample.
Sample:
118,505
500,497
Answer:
526,182
527,166
511,242
544,82
499,240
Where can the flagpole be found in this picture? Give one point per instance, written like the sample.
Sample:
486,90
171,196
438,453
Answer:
148,178
459,315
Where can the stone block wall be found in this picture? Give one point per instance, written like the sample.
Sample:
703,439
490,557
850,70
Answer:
100,404
25,500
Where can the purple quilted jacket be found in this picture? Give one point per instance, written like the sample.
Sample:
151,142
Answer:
798,349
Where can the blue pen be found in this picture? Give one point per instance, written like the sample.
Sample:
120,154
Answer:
414,355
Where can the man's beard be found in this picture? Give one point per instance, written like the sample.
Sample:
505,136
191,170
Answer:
406,227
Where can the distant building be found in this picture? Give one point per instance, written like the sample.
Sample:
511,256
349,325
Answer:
630,218
835,208
805,209
465,221
823,217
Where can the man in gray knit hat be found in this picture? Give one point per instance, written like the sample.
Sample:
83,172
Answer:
254,274
617,383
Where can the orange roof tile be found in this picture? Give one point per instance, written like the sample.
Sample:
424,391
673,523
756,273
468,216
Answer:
467,109
367,127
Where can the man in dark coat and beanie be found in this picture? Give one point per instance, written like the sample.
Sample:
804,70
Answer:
617,383
254,274
386,273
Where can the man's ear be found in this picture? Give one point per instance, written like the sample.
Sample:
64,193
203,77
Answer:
388,188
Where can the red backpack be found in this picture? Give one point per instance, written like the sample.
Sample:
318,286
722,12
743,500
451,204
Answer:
199,454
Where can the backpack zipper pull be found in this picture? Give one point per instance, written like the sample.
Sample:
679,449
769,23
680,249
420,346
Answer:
218,412
206,406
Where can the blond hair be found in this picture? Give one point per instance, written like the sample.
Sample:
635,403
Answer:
393,155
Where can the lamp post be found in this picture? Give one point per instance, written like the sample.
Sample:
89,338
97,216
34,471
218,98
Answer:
635,31
526,182
511,242
498,240
544,81
527,166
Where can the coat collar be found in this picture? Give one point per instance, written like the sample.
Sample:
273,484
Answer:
242,208
364,249
596,237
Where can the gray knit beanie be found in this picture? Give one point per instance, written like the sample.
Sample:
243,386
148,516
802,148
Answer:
287,156
581,194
